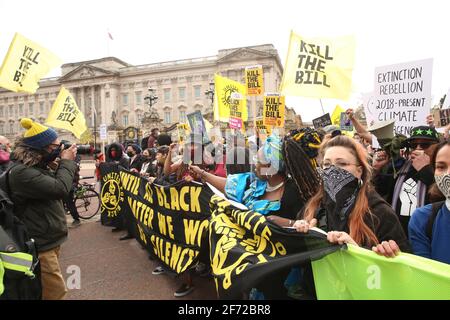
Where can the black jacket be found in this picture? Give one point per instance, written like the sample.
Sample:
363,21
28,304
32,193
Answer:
120,158
137,163
383,222
37,194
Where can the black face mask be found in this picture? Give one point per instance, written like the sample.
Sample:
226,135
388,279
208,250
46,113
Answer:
130,154
341,189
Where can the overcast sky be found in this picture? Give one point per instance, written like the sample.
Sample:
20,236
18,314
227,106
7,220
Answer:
387,32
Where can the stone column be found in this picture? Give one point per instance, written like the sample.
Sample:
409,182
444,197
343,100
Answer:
82,104
93,108
102,105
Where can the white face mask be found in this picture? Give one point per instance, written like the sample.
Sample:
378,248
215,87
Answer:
443,184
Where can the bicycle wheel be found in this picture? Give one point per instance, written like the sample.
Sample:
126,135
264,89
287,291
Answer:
87,203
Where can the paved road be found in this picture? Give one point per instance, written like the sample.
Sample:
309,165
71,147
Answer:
113,269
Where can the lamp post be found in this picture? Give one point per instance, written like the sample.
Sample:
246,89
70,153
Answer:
151,97
210,93
151,116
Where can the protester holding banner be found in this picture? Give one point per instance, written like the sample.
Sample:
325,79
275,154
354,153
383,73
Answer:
115,154
148,169
429,227
269,191
160,178
194,152
37,193
346,205
136,160
416,175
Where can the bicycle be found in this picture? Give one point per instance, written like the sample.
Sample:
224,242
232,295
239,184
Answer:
87,200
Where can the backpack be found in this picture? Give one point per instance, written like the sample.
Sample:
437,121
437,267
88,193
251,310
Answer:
18,254
435,207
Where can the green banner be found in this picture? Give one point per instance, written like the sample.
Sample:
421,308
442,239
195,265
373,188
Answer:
361,274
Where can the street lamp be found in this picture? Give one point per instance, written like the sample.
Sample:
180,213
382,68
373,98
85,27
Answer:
210,93
151,116
151,97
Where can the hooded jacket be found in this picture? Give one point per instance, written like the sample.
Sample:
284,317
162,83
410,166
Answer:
119,158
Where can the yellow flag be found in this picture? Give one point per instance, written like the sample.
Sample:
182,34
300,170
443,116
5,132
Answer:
319,67
254,80
336,116
25,64
224,87
65,114
273,112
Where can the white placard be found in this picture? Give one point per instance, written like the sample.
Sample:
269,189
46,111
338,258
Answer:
402,92
103,132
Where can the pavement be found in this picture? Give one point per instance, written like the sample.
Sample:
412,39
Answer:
118,270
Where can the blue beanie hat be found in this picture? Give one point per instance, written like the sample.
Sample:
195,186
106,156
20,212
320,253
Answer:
37,135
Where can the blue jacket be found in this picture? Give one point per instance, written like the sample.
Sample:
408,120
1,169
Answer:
439,246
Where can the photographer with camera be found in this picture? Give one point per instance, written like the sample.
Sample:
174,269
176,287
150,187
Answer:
37,194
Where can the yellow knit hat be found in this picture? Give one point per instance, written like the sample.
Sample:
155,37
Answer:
37,135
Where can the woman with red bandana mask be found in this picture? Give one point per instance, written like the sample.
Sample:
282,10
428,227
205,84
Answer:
115,154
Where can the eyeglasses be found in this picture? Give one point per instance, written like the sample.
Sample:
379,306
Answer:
423,145
339,164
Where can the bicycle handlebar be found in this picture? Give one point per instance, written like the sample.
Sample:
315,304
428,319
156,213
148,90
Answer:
90,177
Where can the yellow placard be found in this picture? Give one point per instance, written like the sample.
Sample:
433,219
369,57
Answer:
319,67
224,88
183,131
262,128
65,114
336,115
254,80
25,64
273,112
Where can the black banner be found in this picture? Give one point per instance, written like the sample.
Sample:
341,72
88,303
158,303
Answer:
170,222
246,248
173,224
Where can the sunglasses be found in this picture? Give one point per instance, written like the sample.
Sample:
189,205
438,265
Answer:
423,145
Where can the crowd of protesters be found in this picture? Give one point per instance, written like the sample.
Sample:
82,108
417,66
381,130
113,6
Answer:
392,197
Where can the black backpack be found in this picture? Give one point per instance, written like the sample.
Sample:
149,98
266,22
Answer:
435,207
14,238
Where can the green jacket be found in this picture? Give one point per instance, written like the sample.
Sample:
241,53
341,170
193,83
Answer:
37,194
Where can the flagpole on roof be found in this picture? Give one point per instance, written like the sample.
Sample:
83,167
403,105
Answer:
107,42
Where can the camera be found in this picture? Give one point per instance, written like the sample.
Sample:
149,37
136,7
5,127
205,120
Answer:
81,149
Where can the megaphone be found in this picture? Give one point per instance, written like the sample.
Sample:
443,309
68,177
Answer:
384,131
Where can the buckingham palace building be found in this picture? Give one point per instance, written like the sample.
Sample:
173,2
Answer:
112,92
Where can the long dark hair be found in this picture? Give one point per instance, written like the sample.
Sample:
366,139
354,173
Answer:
434,193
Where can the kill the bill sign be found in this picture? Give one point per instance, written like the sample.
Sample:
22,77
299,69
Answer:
274,110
